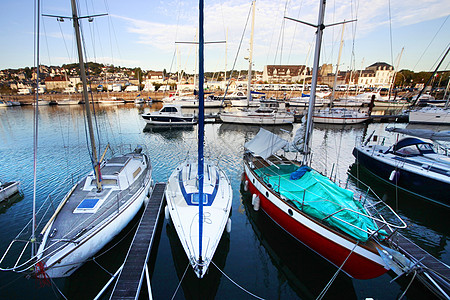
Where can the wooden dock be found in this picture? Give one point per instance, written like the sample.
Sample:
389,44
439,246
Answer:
433,273
130,279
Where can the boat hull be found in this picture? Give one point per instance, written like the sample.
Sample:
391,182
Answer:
8,189
169,121
430,117
416,183
258,119
362,263
338,120
71,255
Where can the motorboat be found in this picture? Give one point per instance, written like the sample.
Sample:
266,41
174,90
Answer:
7,189
410,164
337,115
169,115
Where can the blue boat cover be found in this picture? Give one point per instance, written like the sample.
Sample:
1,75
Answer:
319,197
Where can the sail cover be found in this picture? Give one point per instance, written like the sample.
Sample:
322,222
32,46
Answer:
424,133
265,143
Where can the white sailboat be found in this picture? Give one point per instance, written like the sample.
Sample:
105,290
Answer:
95,209
270,112
334,115
199,194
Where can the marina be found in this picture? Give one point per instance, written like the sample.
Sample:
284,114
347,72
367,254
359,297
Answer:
162,184
247,249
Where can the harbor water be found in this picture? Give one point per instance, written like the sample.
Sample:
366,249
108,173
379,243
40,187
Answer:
256,257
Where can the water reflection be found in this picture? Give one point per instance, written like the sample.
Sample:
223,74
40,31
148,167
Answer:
193,287
304,271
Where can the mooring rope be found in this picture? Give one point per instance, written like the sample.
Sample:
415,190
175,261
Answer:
327,287
403,294
181,280
54,284
235,283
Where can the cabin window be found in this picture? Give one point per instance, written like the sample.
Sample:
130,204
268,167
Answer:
410,150
136,173
109,181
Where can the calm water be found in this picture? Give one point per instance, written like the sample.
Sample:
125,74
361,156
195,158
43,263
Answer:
256,254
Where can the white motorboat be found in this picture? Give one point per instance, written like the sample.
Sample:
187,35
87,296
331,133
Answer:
7,189
169,115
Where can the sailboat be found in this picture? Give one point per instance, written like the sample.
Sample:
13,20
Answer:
270,111
96,208
334,115
199,194
333,221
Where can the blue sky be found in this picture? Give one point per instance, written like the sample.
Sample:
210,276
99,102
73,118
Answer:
143,33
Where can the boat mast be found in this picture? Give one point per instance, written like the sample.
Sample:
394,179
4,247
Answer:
337,65
312,98
35,141
250,58
201,127
76,25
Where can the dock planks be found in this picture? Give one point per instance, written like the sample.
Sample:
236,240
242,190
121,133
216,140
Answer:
434,274
130,279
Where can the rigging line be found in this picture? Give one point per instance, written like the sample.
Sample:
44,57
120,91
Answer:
235,283
273,33
54,284
46,43
327,287
65,44
407,288
429,44
91,31
295,31
237,53
181,280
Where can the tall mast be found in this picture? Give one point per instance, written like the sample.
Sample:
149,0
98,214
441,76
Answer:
201,126
250,58
35,141
76,25
337,65
312,100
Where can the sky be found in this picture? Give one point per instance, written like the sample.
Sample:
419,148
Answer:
410,34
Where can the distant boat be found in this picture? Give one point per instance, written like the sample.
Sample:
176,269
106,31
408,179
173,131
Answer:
340,116
169,115
430,115
7,189
411,164
270,112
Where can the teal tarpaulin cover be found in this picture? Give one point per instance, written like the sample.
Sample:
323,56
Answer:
319,197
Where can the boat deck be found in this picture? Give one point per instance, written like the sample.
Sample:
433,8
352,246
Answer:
130,279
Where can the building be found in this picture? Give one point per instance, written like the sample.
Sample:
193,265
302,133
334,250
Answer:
56,82
284,73
377,75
